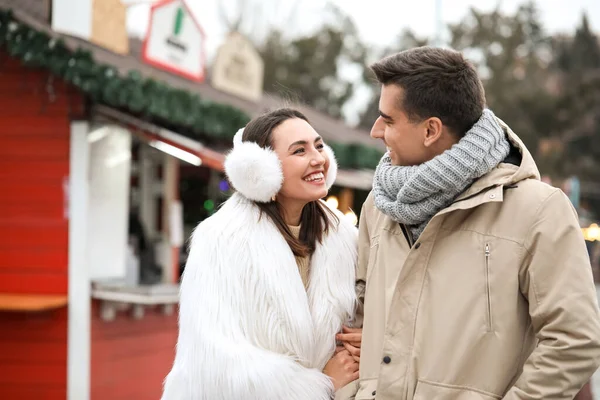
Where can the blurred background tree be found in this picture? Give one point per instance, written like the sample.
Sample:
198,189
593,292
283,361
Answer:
406,40
577,116
307,69
513,56
547,88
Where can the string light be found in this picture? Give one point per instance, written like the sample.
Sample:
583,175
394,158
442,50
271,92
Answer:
209,205
591,233
332,202
351,217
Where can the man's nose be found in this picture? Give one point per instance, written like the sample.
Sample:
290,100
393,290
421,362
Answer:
378,129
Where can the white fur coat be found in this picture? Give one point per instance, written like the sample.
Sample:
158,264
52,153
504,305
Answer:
248,329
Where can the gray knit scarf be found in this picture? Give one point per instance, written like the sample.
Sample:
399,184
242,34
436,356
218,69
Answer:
413,195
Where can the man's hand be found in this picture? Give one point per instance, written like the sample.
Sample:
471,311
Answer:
351,339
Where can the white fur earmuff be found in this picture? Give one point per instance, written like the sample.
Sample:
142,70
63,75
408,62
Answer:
256,172
333,167
253,171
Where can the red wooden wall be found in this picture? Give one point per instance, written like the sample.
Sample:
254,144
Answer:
131,358
33,355
34,163
34,167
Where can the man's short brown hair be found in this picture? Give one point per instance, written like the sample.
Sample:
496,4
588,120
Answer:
436,83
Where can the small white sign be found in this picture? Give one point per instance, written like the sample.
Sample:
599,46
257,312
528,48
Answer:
72,17
175,40
238,68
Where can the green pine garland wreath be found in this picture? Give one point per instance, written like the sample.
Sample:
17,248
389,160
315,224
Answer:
143,96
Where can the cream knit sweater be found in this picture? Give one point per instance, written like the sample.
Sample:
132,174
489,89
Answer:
302,262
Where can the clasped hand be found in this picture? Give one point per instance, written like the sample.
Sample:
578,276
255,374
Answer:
342,368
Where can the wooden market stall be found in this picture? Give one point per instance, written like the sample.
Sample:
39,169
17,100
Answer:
80,143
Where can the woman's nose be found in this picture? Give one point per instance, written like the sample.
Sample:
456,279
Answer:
318,159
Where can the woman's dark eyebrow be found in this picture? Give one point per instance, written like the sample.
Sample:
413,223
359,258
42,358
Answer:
303,142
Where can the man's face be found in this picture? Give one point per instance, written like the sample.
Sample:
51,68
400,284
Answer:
404,139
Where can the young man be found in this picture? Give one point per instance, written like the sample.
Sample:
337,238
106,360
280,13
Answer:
477,280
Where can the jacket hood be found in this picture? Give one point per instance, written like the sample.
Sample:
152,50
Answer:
509,172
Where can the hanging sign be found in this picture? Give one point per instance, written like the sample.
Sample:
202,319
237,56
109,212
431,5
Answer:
175,40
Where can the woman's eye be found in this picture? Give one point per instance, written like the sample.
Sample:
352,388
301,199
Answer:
299,151
320,146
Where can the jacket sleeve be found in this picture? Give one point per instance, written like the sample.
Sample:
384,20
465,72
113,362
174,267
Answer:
557,281
215,358
348,392
364,247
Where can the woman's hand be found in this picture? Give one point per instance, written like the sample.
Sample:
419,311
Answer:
341,368
351,338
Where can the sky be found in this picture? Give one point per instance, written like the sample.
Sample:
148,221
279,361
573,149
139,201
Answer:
380,19
379,22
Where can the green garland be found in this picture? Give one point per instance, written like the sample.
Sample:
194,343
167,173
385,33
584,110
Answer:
140,96
356,156
103,84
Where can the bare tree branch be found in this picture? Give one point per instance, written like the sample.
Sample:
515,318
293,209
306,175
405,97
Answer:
223,16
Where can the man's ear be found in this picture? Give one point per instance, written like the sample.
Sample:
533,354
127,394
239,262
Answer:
433,131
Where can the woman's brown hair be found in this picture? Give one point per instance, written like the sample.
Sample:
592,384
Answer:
316,219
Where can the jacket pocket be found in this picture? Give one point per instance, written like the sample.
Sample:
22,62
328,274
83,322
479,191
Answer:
347,392
427,390
367,389
488,294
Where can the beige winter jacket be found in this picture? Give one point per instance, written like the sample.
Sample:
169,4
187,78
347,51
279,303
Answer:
495,300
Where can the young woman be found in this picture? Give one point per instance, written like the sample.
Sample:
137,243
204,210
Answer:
270,277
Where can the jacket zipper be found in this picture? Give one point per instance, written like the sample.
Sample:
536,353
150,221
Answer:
407,235
487,287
